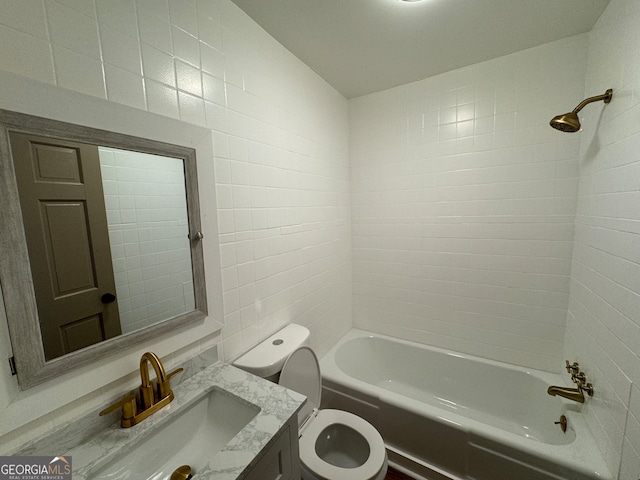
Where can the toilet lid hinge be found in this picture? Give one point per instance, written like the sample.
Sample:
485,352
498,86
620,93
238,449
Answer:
305,422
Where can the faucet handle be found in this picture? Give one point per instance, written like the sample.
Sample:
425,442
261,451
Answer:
586,388
174,373
164,388
573,368
128,404
579,377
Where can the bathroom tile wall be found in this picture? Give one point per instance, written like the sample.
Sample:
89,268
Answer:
280,137
282,174
603,323
463,206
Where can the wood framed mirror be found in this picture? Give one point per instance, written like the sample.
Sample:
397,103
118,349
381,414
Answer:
100,239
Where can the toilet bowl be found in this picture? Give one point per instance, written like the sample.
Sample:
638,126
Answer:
334,444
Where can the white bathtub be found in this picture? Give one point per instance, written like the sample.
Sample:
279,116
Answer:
447,415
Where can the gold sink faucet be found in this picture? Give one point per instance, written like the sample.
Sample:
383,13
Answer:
151,399
147,394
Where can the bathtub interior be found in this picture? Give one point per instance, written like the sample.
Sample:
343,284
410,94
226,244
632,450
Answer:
512,400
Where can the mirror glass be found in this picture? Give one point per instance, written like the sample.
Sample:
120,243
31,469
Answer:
146,207
107,240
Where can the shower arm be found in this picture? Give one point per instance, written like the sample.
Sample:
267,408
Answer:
606,96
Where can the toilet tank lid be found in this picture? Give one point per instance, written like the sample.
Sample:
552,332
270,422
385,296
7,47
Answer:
268,357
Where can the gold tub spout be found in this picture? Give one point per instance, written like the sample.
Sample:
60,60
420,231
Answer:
574,394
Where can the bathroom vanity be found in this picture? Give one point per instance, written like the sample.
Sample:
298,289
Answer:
226,424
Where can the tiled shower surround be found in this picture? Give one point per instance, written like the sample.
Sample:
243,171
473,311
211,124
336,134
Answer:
463,202
446,211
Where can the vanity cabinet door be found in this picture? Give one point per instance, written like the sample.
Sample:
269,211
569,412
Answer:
276,463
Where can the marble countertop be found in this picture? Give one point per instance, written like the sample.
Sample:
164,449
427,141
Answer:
277,406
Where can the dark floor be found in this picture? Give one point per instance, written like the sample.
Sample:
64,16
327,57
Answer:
396,475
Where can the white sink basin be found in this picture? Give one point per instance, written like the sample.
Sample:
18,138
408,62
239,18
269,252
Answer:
190,437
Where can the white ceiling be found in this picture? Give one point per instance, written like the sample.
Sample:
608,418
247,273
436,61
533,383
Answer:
363,46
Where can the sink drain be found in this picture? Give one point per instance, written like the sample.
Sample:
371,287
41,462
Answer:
182,473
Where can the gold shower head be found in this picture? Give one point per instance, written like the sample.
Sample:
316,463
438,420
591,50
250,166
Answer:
569,122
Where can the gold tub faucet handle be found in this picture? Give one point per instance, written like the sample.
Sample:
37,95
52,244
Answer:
579,377
586,388
572,368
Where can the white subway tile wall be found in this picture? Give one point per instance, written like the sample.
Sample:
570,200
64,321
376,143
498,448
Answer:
463,206
145,197
603,323
281,141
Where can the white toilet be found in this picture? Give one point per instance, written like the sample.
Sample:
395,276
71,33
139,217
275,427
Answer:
334,445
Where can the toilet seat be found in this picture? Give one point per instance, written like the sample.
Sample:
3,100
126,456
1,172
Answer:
301,373
311,461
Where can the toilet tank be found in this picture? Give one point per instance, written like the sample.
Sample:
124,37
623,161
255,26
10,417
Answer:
267,358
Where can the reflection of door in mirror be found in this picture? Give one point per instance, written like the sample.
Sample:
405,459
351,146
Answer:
65,224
